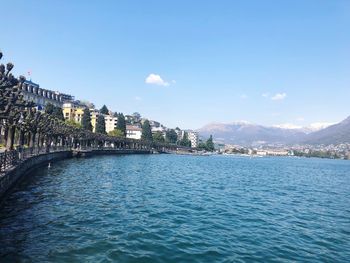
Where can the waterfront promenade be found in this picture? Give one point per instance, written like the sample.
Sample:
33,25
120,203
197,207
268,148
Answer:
15,164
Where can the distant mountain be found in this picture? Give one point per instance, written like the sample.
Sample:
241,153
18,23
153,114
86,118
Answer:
334,134
244,133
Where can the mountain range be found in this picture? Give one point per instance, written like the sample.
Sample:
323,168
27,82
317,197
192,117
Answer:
247,134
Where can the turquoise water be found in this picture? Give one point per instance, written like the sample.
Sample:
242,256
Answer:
169,208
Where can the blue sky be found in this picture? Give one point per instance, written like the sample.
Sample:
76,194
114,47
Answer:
267,62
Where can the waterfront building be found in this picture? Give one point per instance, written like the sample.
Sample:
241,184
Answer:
94,115
133,132
194,138
32,92
72,111
180,134
110,122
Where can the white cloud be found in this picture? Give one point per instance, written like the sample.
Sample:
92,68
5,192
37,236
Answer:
300,119
156,80
265,95
137,98
279,96
244,96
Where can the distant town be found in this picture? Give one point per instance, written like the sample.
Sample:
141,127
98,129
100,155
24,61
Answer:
130,126
104,120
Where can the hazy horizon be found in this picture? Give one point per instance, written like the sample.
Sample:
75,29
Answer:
189,64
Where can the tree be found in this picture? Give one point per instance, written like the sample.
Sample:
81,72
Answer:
137,116
86,120
121,124
116,133
146,131
100,124
88,104
73,123
158,137
104,110
171,136
49,108
185,141
58,113
54,111
210,144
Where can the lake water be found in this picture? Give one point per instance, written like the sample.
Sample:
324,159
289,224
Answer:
171,208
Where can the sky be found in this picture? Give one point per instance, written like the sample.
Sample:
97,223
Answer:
189,63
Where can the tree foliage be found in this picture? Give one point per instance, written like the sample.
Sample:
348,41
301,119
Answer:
208,145
158,137
100,124
73,123
104,110
86,120
146,131
185,141
54,111
116,133
171,136
121,124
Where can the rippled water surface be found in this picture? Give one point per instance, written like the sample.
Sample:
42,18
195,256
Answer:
169,208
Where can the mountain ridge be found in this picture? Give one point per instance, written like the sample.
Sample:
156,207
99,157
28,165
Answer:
246,133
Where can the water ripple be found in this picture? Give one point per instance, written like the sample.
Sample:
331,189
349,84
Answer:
169,208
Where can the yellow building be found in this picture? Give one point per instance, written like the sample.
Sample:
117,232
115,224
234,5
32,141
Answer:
75,113
72,112
94,115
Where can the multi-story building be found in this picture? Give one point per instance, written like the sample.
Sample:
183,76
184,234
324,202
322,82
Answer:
110,122
193,137
180,134
32,92
133,132
94,115
72,111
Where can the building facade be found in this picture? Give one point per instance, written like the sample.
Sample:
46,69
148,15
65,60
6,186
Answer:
32,92
110,122
72,112
133,132
194,138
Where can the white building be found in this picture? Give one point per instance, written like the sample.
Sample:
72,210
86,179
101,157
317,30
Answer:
110,122
193,137
133,132
180,134
32,92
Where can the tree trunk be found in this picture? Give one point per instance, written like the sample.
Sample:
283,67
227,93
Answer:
32,139
21,138
10,138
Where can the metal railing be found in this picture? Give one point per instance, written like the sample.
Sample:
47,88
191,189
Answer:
8,159
11,158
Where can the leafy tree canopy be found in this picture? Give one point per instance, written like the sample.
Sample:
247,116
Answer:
104,110
100,124
86,120
121,124
116,133
73,123
146,131
171,136
185,141
158,137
